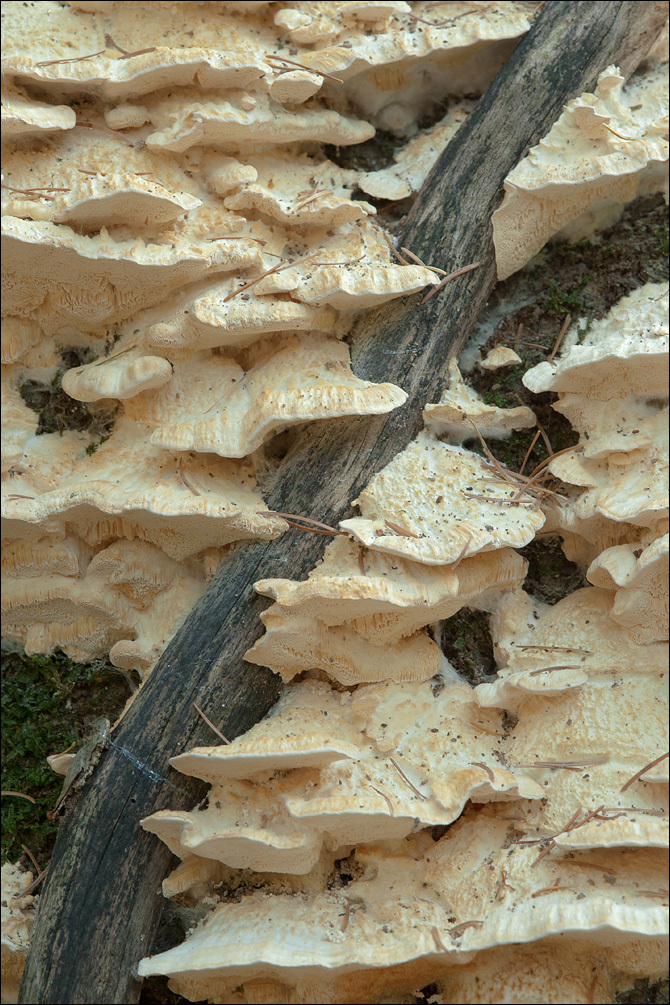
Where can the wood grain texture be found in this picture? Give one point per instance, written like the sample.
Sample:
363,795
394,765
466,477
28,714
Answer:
102,899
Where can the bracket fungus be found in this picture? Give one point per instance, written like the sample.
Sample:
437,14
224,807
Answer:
17,921
386,598
405,920
556,807
171,216
125,600
613,388
460,413
156,231
311,193
413,162
437,503
640,578
25,116
371,765
606,149
121,185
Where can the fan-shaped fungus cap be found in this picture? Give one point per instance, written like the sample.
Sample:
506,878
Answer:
415,913
571,666
610,388
606,148
216,317
183,121
310,193
232,45
58,277
378,781
293,643
622,354
71,52
55,594
387,598
119,184
436,503
501,356
307,728
61,763
577,769
460,408
295,86
413,161
25,116
122,377
640,578
549,650
131,489
352,268
230,412
245,826
391,73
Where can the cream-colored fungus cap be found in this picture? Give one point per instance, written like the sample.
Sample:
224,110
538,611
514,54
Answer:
437,503
606,149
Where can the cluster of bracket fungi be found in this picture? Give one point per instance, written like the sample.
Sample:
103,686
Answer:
169,212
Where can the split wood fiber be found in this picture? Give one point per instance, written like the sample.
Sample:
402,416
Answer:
102,899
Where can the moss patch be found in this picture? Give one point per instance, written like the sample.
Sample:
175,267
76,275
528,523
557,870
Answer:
466,642
48,702
57,411
550,575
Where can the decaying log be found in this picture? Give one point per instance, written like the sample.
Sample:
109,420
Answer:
102,899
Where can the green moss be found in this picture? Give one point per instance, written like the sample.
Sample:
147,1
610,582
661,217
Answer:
560,298
57,411
466,642
496,398
92,447
48,702
550,575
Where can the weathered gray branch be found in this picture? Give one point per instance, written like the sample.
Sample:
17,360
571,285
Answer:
102,898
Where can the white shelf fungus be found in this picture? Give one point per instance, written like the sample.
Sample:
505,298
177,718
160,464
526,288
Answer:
371,765
25,116
640,578
436,503
127,599
413,162
182,229
613,388
606,148
559,797
386,598
118,184
499,357
15,928
461,413
416,912
128,488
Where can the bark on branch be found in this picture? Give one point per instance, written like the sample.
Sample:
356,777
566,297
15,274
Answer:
102,899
